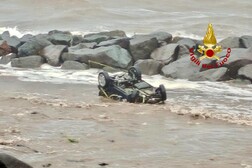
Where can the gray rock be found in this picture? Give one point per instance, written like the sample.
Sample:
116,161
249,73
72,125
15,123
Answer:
7,58
162,36
216,74
96,38
33,61
25,38
60,37
123,42
246,41
187,42
183,51
142,46
7,161
182,68
246,72
81,46
74,65
149,66
239,57
230,42
113,33
5,35
52,54
166,54
33,46
77,39
114,56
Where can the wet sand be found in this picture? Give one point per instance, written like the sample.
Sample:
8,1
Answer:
68,125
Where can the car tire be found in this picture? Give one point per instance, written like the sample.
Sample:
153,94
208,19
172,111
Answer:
161,89
135,73
134,95
103,79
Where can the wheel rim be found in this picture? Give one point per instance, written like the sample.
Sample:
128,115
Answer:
102,80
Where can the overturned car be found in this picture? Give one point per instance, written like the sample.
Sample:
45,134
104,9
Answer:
130,87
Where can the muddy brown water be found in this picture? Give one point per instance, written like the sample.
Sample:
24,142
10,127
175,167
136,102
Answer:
68,125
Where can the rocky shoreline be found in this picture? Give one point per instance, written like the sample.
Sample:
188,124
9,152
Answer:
154,53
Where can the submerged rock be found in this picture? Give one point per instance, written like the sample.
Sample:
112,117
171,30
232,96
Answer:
33,61
7,58
217,74
74,65
7,161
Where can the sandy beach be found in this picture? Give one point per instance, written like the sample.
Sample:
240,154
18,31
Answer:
68,125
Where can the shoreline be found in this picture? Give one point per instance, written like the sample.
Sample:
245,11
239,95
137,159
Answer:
38,119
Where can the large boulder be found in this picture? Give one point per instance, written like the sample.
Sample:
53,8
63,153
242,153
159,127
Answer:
189,43
7,161
82,46
142,46
26,38
74,65
239,57
77,39
161,36
33,61
96,38
246,41
52,54
166,54
149,66
103,36
182,68
230,42
123,42
113,33
4,48
60,37
7,58
246,72
112,55
33,46
5,34
216,74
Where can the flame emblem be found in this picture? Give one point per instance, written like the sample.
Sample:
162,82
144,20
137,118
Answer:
210,48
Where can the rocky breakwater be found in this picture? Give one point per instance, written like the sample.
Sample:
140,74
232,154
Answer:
154,53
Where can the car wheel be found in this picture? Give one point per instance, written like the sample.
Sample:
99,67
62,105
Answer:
134,95
103,79
162,91
135,73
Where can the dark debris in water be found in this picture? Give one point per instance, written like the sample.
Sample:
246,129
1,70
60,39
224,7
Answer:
103,164
47,165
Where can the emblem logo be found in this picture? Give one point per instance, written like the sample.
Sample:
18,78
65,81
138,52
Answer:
208,50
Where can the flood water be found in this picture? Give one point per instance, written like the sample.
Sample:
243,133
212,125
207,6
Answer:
68,125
